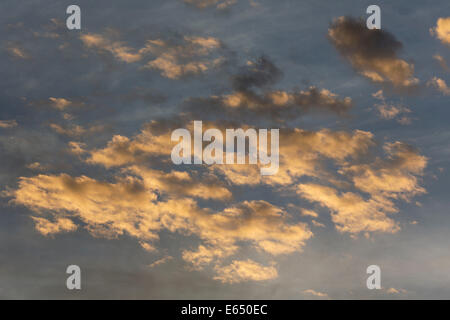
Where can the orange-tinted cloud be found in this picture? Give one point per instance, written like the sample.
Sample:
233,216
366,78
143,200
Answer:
381,181
245,270
441,61
47,227
391,111
442,30
173,59
315,293
103,44
350,212
18,52
252,96
6,124
440,85
129,205
192,56
373,53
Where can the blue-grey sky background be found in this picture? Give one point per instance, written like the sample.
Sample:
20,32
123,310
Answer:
122,97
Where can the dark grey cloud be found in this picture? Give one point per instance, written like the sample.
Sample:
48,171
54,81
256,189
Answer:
255,97
259,73
373,53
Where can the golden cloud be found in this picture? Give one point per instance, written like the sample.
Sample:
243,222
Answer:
315,293
178,183
441,61
373,53
442,30
6,124
142,201
47,227
60,103
390,111
301,154
130,205
245,270
350,212
75,130
174,59
384,180
440,85
190,57
117,48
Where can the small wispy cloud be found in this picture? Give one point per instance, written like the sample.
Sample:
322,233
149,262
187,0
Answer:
441,61
219,4
8,124
389,111
160,261
18,52
315,293
440,85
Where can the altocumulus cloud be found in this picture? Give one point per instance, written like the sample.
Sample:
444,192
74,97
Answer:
173,58
373,53
442,30
143,199
253,95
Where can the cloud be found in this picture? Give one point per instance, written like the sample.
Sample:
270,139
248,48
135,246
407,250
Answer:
145,245
282,101
441,61
252,96
189,56
383,180
160,261
130,206
350,212
7,124
47,227
178,183
117,206
440,85
390,111
37,166
75,130
303,153
77,147
396,291
373,53
154,140
442,30
205,255
60,103
173,58
315,293
310,213
219,4
18,52
117,48
317,224
393,177
259,73
245,270
258,223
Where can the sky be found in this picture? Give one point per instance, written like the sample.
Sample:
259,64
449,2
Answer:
86,176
